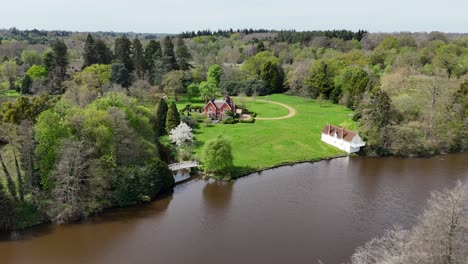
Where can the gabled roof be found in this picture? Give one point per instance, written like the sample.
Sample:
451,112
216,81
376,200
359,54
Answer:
218,104
346,135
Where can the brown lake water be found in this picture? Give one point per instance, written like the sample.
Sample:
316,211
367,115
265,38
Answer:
292,214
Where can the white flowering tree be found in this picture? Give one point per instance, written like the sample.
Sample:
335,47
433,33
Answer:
181,135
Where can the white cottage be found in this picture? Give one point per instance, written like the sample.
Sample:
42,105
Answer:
341,138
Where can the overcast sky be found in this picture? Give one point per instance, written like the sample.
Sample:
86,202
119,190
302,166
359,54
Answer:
175,16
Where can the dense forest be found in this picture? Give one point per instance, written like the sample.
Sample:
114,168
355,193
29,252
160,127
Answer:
85,128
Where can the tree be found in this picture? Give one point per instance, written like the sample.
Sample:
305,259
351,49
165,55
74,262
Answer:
26,84
10,183
67,177
182,55
321,78
89,54
265,66
159,123
172,118
31,57
181,135
138,58
438,237
173,83
215,72
193,91
123,51
7,211
209,89
50,131
95,75
9,72
58,66
153,54
36,72
273,76
217,155
120,74
168,54
103,52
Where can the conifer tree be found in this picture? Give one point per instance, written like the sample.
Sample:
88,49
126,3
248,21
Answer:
183,55
153,54
159,125
138,58
168,54
172,118
103,52
89,55
123,52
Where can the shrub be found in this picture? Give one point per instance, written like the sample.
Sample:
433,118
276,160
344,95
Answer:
230,120
134,184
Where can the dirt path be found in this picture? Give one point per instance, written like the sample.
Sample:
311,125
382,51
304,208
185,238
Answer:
292,111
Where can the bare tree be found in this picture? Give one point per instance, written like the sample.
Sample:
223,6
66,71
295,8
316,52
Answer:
440,236
68,177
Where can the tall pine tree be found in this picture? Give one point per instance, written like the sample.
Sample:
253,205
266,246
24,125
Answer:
159,125
168,54
103,52
153,52
138,58
183,55
172,118
123,50
89,54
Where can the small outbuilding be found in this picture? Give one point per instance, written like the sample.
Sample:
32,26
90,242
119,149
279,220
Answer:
341,138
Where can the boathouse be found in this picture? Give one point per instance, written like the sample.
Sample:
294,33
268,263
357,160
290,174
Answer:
341,138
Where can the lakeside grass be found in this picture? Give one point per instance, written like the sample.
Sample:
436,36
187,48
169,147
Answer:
269,143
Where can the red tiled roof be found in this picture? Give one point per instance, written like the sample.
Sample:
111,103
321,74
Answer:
346,135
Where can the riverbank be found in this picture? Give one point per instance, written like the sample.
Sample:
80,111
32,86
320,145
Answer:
271,143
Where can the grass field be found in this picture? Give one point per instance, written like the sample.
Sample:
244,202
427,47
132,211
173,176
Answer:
269,143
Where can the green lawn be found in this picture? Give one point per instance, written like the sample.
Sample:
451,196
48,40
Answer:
268,143
9,93
264,109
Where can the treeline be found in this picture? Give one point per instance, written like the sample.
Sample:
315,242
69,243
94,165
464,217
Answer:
222,33
292,36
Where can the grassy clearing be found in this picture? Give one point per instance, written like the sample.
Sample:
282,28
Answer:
9,93
269,143
264,109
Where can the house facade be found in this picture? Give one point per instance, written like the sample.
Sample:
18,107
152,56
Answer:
341,138
217,109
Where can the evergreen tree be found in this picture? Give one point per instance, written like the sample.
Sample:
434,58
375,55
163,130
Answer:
153,53
89,55
159,124
172,118
120,74
183,55
7,211
168,54
138,58
26,83
123,52
103,52
58,65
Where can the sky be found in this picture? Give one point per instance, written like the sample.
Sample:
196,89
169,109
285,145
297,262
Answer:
175,16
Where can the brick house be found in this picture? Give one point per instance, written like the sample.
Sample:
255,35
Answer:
217,109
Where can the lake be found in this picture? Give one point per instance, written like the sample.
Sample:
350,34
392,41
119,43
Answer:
291,214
